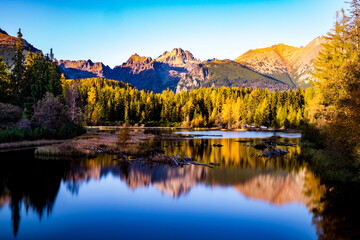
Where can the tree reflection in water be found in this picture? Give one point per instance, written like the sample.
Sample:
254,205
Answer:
34,184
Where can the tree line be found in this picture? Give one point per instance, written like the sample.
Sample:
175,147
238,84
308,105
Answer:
99,101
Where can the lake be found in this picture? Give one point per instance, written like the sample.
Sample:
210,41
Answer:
247,197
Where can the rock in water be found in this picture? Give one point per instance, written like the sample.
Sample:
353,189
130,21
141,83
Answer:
260,146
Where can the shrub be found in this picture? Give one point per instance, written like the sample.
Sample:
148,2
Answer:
49,113
9,114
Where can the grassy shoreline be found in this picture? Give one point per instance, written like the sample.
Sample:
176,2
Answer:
104,128
11,146
20,145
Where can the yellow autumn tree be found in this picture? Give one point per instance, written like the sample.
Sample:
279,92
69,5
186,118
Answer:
335,108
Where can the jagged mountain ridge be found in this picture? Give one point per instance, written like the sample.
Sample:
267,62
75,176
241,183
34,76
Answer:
142,72
177,58
7,47
278,67
84,69
155,74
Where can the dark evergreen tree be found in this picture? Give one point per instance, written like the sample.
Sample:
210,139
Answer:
41,75
54,83
18,71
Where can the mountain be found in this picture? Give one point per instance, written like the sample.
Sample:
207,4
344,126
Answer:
272,61
142,72
83,69
227,73
288,64
7,47
303,61
277,67
156,75
177,58
139,72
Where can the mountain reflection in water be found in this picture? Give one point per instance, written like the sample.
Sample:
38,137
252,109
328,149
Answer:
34,184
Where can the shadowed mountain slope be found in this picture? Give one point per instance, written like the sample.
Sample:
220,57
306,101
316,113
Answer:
7,47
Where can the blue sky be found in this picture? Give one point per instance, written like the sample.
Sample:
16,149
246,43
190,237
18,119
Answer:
111,31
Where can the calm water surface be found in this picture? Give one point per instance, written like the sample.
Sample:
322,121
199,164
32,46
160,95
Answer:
247,197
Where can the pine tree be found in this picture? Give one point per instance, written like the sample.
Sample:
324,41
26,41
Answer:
18,71
54,82
51,55
41,75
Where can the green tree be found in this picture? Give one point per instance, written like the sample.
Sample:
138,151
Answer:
41,75
18,71
54,83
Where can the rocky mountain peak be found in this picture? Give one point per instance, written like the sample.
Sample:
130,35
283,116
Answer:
177,51
83,69
136,59
177,58
137,64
